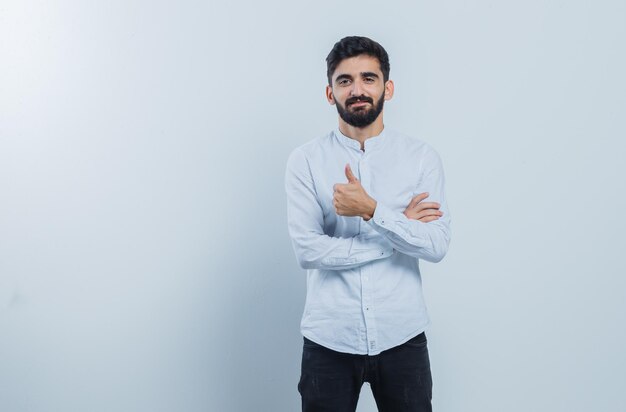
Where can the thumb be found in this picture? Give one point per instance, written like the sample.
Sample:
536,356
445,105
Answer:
350,175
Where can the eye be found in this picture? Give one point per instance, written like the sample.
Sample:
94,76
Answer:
343,82
369,79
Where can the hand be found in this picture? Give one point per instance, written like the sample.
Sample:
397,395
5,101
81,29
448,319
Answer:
350,199
424,212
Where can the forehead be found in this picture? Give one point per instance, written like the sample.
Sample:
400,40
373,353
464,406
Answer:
358,64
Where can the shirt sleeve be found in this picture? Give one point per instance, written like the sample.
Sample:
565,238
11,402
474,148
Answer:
430,240
305,220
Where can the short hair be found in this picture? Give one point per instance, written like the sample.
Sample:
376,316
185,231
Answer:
353,46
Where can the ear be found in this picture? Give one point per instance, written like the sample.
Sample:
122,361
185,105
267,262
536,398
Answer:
329,95
389,90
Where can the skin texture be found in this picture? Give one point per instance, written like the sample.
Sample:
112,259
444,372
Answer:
359,79
351,199
359,76
423,211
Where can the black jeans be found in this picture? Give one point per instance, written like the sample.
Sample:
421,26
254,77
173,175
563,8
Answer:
399,377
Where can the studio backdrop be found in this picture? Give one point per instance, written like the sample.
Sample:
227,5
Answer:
145,263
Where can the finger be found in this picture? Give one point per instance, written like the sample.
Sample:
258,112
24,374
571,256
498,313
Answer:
337,187
425,213
431,212
427,205
428,219
349,174
418,198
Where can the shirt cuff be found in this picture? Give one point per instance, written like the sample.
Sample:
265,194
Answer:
383,217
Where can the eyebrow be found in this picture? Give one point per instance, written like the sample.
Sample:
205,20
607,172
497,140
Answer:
363,74
369,74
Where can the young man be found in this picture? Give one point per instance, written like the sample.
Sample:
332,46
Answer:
364,204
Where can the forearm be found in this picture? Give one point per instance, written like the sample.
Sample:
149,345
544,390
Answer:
428,241
315,251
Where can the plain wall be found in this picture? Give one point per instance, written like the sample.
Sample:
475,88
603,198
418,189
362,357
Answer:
145,263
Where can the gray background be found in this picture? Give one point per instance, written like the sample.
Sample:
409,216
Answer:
145,263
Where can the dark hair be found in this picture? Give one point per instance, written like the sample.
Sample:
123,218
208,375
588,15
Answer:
353,46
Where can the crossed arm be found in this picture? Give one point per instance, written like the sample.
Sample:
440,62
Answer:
351,199
415,232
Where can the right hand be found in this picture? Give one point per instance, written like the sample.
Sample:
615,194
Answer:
424,212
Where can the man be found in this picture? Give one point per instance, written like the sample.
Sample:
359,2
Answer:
364,204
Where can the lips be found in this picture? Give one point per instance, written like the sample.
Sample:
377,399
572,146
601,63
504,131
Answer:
358,104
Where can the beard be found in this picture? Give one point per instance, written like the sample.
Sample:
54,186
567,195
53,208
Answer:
361,116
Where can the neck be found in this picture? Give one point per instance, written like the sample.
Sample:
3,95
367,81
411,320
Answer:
362,134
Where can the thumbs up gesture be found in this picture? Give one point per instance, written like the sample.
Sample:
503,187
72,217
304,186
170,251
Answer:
350,199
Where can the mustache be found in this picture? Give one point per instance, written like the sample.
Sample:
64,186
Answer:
355,99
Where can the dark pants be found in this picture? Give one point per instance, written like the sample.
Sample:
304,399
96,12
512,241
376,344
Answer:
399,377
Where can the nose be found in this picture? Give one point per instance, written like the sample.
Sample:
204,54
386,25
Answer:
356,88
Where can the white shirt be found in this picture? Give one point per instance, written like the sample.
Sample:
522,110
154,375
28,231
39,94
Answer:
364,288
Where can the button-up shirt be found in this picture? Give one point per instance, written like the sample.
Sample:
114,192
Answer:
364,287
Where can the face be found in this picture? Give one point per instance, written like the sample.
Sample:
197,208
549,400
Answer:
359,90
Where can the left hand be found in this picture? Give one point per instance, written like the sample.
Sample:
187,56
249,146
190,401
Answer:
423,211
350,199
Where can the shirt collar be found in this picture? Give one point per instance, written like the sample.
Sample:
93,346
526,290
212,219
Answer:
371,143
